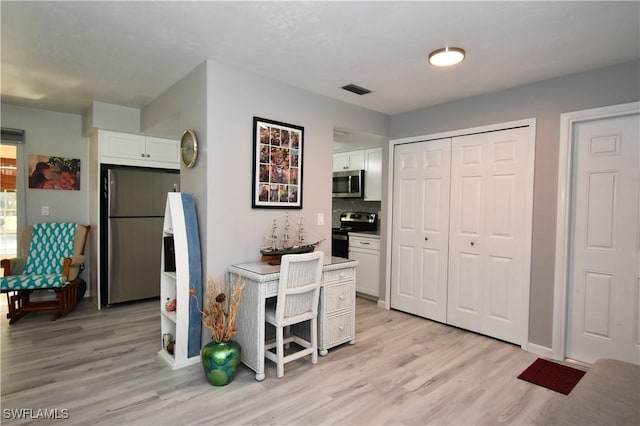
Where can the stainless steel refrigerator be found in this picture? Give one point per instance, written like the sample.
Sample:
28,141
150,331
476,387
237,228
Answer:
134,202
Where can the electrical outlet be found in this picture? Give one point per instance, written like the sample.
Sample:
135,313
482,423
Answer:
45,210
320,219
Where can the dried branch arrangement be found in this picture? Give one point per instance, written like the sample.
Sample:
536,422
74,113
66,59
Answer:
220,311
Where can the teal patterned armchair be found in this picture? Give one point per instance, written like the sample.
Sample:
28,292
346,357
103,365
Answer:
55,255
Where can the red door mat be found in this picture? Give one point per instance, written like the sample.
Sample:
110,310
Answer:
552,375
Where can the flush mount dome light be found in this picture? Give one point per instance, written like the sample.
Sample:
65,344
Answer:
446,56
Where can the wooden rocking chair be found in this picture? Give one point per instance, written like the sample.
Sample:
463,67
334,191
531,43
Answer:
54,261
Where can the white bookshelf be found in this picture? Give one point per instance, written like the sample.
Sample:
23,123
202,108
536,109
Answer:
184,324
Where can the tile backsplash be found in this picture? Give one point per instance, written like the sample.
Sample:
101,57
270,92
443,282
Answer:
341,205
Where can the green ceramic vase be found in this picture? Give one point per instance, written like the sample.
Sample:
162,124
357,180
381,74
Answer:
220,361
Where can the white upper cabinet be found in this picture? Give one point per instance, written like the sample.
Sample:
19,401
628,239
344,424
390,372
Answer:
353,160
369,160
166,150
373,174
138,150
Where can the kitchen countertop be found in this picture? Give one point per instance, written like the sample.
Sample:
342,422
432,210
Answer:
366,234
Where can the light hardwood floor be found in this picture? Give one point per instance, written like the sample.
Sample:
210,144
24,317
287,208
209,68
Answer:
102,367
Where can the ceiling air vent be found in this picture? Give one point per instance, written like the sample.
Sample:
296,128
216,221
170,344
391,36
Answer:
356,89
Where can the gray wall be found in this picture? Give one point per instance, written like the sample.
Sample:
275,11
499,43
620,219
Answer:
51,133
184,106
545,101
236,231
219,103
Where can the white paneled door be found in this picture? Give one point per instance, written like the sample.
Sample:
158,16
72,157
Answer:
421,228
604,274
489,252
461,242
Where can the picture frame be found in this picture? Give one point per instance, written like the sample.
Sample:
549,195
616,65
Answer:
54,172
277,164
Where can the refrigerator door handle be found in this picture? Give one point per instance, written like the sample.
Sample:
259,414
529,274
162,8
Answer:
105,188
111,191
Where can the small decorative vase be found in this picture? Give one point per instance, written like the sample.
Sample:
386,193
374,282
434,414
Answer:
220,361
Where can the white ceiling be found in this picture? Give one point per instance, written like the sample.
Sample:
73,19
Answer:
63,55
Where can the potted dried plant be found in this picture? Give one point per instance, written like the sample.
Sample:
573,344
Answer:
221,356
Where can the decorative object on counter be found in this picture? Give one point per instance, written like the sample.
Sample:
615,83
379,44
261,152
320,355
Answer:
221,356
277,164
283,242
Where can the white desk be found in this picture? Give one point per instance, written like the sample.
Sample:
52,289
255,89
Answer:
336,314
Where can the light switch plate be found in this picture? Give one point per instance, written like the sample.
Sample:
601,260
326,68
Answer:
320,219
45,210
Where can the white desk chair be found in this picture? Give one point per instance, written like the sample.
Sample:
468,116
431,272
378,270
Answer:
298,298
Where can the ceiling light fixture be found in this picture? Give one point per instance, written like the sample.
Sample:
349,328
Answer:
446,56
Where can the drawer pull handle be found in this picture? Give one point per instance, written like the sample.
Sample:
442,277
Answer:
341,328
341,297
472,244
365,243
426,238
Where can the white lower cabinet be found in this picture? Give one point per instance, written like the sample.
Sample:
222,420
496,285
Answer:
337,313
367,252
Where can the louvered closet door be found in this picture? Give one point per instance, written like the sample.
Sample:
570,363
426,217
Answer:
420,228
488,257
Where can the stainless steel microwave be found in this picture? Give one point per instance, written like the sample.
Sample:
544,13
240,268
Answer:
348,183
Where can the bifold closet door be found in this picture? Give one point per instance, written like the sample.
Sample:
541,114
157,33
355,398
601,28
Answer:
489,250
421,228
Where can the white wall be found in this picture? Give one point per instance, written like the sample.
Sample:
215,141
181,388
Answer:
545,101
105,116
51,133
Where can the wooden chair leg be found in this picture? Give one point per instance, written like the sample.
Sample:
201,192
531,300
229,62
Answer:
16,301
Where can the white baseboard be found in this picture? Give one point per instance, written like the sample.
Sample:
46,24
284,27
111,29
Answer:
540,350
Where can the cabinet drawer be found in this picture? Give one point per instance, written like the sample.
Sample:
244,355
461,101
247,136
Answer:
271,288
339,329
366,243
338,275
339,297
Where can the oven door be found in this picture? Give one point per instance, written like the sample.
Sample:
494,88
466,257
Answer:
340,245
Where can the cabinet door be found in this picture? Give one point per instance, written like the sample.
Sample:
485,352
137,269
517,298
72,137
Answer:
352,160
373,174
340,162
356,160
368,271
165,150
122,145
